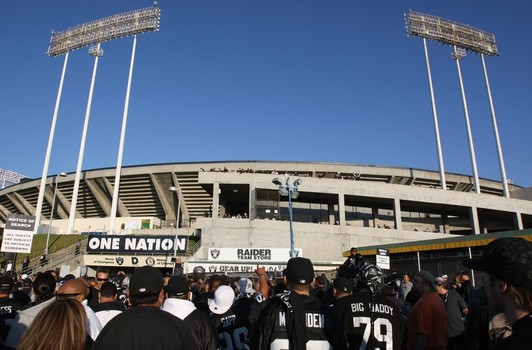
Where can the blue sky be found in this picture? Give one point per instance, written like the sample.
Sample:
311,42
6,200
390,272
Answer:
305,80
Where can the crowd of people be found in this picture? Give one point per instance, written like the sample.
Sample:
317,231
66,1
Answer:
360,308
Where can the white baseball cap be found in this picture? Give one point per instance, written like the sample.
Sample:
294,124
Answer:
223,299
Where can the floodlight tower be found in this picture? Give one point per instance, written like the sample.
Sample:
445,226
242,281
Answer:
93,34
468,38
458,54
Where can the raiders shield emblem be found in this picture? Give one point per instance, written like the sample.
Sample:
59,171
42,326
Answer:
212,268
215,253
150,261
119,260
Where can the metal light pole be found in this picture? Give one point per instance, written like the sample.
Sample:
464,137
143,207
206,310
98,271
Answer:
458,55
292,191
62,174
88,34
178,192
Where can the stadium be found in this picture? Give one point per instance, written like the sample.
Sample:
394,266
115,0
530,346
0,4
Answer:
231,215
223,207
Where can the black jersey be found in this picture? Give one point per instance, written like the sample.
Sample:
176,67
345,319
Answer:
234,326
145,327
370,322
294,321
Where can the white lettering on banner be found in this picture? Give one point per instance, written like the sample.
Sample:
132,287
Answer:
181,244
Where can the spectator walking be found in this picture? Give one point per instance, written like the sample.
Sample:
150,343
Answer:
455,310
405,286
145,325
43,292
102,276
109,305
426,320
177,302
77,289
60,325
508,282
8,305
25,264
369,320
295,319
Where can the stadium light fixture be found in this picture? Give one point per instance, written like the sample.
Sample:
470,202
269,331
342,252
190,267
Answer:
466,37
292,191
451,33
104,29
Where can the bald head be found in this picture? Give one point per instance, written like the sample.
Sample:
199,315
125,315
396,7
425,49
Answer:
73,289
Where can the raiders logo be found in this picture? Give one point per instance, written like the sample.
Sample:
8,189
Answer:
212,268
215,253
119,260
150,261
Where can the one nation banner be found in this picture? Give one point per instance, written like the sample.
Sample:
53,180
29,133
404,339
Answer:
136,244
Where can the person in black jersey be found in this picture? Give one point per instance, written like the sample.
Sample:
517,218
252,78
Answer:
369,320
178,293
230,319
145,325
295,319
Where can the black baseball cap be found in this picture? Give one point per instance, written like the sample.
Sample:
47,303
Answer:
108,289
343,284
6,284
508,259
299,271
177,286
146,280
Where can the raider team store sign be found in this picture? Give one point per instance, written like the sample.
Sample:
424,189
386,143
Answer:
252,254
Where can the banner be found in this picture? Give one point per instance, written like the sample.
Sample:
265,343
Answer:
137,244
220,268
128,261
18,234
255,255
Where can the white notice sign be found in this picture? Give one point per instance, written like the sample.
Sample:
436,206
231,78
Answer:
383,258
18,234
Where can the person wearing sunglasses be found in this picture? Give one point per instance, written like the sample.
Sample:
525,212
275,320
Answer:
102,276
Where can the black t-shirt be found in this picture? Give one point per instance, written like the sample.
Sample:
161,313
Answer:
299,320
233,327
202,301
370,321
520,338
9,307
145,327
202,330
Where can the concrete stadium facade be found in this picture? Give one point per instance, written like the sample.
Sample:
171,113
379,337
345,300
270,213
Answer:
234,204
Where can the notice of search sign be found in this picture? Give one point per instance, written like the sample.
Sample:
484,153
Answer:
18,234
383,258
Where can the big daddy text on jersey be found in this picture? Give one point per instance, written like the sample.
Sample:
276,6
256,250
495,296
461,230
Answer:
370,322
